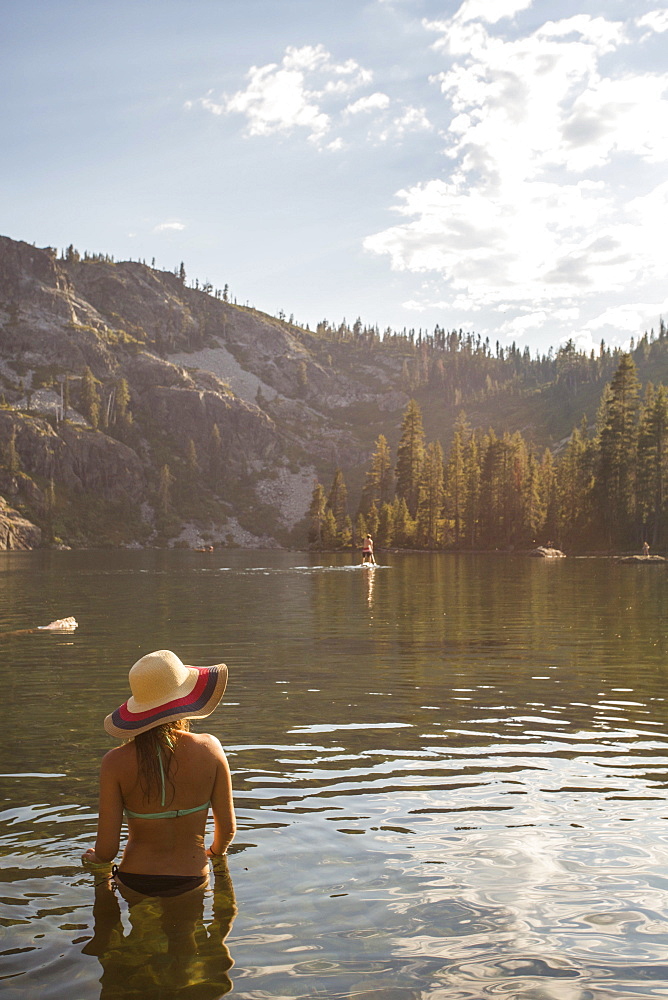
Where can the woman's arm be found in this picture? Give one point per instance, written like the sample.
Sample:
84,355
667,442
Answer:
222,805
110,815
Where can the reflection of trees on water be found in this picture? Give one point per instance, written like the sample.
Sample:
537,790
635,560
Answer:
467,632
168,951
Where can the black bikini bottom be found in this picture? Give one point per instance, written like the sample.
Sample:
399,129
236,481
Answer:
160,885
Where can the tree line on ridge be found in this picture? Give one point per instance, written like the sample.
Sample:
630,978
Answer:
606,489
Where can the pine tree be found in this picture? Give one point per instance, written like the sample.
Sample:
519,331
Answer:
302,379
329,530
652,472
192,462
617,439
575,483
360,529
548,499
372,521
316,515
516,496
12,459
385,530
472,478
410,457
492,491
378,486
337,499
90,398
431,497
404,526
455,480
123,414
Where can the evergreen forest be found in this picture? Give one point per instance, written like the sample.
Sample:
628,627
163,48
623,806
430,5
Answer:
603,491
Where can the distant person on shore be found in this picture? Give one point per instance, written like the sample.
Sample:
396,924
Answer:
165,779
645,549
367,551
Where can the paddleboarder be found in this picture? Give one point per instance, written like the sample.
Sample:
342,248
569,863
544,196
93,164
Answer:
367,551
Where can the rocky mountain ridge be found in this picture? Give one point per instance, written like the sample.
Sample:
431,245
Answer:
138,410
240,408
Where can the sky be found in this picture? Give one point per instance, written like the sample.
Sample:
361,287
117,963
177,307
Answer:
499,166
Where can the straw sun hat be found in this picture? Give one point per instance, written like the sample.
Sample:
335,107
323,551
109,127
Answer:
163,690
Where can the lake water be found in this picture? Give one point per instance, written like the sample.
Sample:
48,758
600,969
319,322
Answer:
450,776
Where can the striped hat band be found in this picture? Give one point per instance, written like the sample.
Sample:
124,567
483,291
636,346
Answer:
163,690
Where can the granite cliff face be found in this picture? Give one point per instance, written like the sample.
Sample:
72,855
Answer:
136,410
17,532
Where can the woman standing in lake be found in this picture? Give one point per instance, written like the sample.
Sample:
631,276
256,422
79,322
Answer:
164,780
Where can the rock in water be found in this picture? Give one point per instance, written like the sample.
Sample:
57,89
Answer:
545,553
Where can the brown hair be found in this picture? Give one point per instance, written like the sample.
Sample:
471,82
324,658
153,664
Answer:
152,746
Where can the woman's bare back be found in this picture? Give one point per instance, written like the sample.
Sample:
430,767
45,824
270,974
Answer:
167,844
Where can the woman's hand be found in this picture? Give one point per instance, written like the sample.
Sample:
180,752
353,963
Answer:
91,860
211,854
218,862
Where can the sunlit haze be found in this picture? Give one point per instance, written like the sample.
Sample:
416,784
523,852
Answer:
492,165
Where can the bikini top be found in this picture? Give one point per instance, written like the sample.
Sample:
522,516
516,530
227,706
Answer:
167,813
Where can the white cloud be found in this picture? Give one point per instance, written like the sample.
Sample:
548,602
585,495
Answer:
633,318
490,11
519,325
374,102
164,227
525,104
277,100
309,58
409,119
604,35
308,90
655,20
533,243
550,196
569,313
300,92
583,340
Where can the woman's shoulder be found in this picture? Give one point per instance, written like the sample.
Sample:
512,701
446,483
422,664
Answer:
119,757
201,742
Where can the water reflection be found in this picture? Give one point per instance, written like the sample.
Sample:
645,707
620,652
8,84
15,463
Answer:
450,775
370,580
168,950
